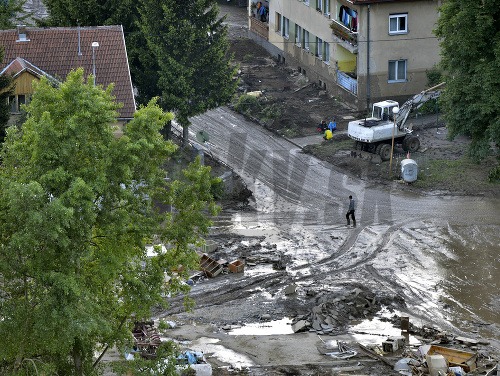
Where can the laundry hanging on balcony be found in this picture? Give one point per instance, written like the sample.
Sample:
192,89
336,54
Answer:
349,18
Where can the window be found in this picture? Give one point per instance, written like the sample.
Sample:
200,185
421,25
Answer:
319,5
326,54
306,2
398,23
277,23
285,32
397,70
16,101
306,40
327,8
319,47
298,35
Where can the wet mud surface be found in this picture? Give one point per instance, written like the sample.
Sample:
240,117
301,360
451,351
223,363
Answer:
430,256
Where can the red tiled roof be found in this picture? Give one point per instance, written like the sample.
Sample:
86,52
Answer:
19,65
54,51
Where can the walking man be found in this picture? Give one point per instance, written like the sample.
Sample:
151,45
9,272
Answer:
350,212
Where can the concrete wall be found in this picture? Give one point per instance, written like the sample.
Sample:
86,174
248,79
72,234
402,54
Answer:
318,25
418,46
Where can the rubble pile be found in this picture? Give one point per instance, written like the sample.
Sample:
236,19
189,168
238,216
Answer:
146,339
332,315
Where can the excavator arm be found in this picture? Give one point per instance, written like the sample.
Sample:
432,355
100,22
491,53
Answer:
416,102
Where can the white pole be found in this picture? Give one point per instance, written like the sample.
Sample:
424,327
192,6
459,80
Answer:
395,111
94,46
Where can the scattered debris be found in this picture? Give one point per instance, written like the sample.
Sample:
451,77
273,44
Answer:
334,312
146,339
211,267
344,352
236,266
464,359
291,289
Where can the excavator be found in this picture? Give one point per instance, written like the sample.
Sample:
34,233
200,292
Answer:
387,123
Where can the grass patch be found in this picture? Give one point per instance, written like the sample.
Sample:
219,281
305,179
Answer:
454,175
247,58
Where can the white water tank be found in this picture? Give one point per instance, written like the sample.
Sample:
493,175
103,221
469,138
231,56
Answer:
409,170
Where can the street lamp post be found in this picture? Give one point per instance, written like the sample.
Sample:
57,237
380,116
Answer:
395,111
94,46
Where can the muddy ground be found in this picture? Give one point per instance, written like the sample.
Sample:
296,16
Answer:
292,106
328,292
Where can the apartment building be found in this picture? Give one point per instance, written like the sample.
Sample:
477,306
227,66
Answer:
362,50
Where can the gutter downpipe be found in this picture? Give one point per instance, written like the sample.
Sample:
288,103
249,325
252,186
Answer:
368,61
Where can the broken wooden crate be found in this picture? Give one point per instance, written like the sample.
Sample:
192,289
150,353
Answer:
464,359
236,266
211,267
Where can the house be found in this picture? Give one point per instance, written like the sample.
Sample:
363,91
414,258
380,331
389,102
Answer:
361,50
30,53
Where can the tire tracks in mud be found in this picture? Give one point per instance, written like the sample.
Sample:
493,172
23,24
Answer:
210,295
347,246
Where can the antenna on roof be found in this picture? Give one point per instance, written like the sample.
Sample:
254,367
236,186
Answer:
79,44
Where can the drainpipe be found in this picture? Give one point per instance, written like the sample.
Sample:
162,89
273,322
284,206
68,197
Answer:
368,60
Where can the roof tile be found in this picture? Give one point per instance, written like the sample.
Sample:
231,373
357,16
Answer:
55,51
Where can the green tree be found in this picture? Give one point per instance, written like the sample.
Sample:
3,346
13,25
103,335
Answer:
91,13
178,50
188,42
469,32
6,89
11,14
77,208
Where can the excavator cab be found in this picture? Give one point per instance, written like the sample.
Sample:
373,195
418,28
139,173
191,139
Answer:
383,110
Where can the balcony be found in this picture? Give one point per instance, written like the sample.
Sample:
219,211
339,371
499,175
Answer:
344,36
260,28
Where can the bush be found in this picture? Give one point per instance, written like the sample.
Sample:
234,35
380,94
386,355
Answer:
494,175
247,104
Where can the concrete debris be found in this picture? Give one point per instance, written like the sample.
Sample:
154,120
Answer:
291,289
334,313
300,326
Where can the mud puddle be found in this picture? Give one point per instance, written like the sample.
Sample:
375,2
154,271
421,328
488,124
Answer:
274,327
212,349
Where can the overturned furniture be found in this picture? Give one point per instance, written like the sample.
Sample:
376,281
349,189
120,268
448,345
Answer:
465,360
236,266
211,267
146,339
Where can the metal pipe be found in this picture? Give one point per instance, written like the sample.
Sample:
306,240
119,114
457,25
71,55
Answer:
368,94
94,46
395,111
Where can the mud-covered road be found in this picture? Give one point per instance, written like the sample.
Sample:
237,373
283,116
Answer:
438,253
434,257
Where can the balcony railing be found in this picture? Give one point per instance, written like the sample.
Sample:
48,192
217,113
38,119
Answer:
260,28
347,82
344,33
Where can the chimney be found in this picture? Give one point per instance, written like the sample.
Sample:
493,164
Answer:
22,33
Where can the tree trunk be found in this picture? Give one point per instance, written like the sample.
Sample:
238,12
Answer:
77,357
166,131
185,135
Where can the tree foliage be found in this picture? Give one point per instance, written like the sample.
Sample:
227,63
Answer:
77,208
178,50
470,41
11,14
189,45
91,13
6,89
